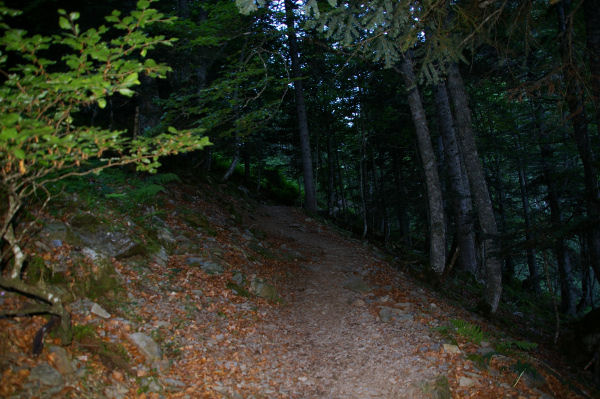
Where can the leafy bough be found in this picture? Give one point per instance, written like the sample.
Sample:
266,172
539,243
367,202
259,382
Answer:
40,140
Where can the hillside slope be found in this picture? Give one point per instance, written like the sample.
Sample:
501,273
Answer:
217,296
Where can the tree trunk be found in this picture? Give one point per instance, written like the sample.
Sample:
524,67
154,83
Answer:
340,179
361,170
247,160
330,176
587,279
591,9
363,202
560,246
509,266
533,279
307,169
437,232
479,188
461,196
234,162
149,113
574,93
403,218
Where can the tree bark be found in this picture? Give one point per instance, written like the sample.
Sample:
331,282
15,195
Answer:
330,176
461,196
149,113
534,279
560,247
307,168
403,218
437,231
509,266
479,188
574,93
591,9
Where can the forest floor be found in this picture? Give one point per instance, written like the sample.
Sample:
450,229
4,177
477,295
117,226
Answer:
295,309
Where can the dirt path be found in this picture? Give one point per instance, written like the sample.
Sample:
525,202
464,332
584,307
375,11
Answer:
331,344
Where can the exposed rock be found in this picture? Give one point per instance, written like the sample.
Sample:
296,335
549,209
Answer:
238,277
449,348
61,360
485,350
146,346
103,240
466,382
358,302
212,268
116,391
161,257
46,377
387,313
90,253
166,238
150,384
99,311
436,388
405,306
385,298
262,289
207,266
173,385
357,284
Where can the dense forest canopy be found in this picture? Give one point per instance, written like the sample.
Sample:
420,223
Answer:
465,134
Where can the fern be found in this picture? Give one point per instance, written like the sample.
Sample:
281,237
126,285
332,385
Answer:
470,331
146,193
508,346
163,178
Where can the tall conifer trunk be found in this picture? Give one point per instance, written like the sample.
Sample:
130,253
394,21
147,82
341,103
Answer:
534,279
437,228
479,188
578,118
459,186
307,169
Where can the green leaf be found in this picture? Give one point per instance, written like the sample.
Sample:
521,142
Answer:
18,153
74,15
10,133
143,52
143,4
102,103
64,23
132,79
126,92
171,129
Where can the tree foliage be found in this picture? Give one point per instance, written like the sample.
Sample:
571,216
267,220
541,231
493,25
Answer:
42,138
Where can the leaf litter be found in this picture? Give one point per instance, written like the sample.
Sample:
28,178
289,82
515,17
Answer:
319,338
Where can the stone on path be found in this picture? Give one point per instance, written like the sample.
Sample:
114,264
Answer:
466,382
263,290
99,311
449,348
207,266
45,379
357,284
146,346
61,360
435,388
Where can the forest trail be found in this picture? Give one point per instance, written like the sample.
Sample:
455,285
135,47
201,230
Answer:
329,340
257,302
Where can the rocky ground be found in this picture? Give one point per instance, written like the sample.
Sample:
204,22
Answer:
225,299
